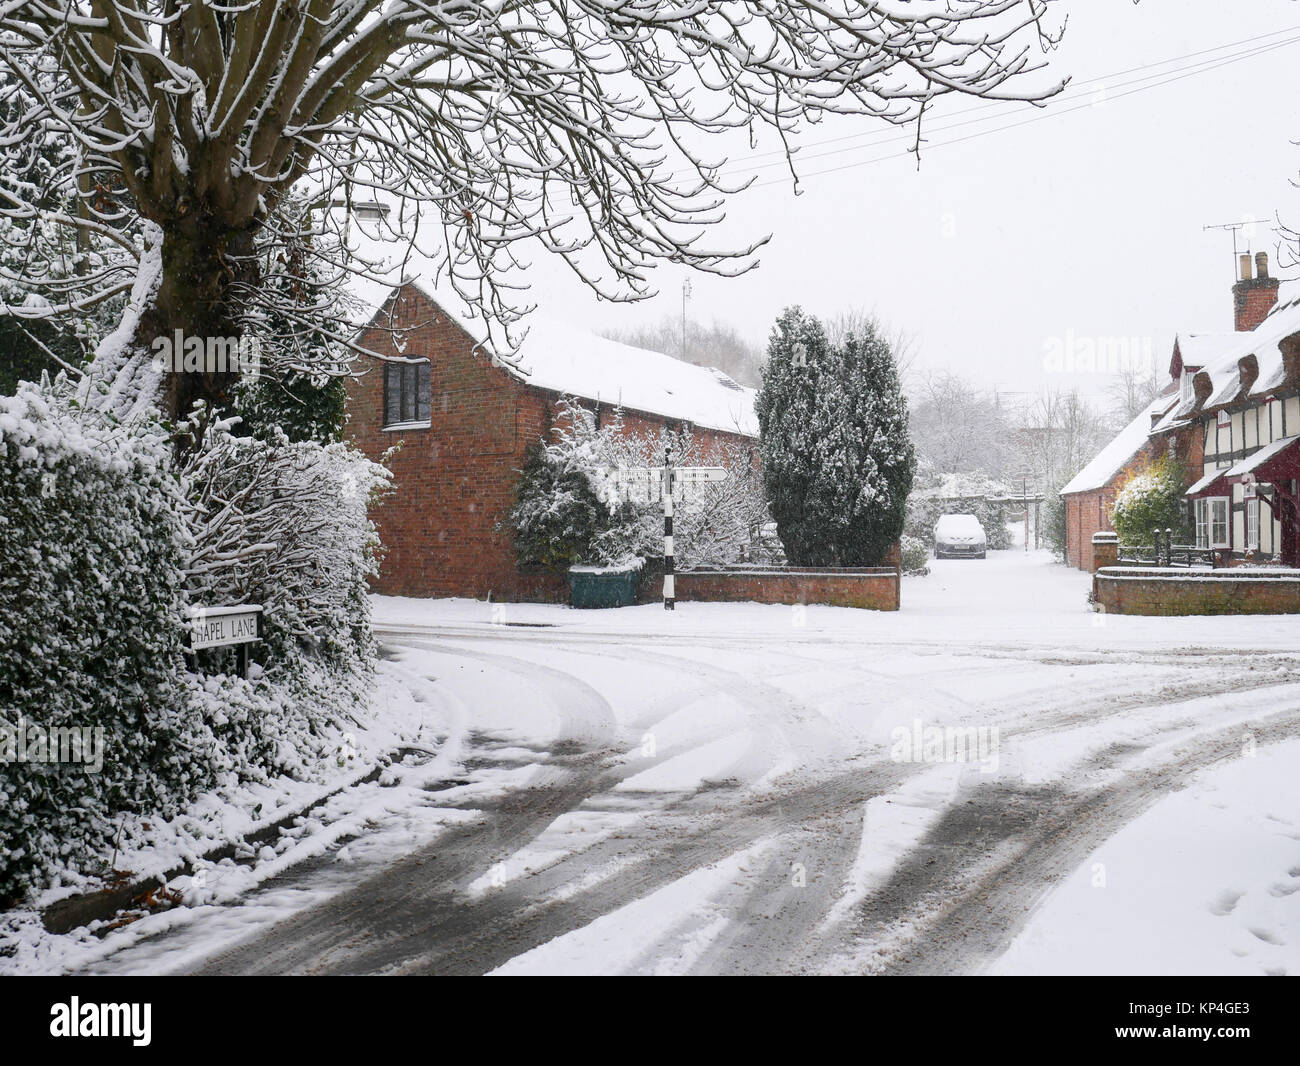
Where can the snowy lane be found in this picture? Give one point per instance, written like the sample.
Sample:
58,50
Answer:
723,792
989,851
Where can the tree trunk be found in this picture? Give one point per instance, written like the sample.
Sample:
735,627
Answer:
205,267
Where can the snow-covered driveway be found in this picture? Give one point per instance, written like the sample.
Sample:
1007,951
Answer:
743,788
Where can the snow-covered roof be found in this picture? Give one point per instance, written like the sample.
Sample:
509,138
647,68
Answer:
1205,482
564,358
1244,466
1117,454
1197,349
1220,355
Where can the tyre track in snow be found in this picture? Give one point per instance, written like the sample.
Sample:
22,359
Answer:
817,826
777,922
957,901
354,920
408,924
416,916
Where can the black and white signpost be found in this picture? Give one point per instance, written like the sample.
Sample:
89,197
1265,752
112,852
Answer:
214,627
638,484
670,597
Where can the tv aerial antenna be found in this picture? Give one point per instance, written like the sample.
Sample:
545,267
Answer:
1248,224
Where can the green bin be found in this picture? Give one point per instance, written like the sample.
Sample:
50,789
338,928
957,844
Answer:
599,587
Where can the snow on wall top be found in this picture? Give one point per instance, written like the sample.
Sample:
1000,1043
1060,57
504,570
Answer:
1116,455
562,358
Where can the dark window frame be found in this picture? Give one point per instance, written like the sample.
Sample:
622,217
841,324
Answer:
407,390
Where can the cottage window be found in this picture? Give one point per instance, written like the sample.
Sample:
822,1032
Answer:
1252,524
1212,522
406,394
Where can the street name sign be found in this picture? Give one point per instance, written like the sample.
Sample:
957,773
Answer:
212,627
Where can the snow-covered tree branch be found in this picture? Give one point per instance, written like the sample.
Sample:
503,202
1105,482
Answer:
571,124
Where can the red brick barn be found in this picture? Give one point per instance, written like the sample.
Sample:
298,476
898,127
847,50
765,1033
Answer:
461,422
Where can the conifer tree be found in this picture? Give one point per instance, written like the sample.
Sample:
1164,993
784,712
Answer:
837,459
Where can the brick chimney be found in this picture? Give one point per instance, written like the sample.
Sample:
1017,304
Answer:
1253,297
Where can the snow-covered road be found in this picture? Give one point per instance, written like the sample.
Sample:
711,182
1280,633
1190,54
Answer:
750,789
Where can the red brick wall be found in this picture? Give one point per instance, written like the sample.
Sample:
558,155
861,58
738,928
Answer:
1086,513
1123,590
874,588
454,481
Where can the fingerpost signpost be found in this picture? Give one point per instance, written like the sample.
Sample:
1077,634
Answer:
639,484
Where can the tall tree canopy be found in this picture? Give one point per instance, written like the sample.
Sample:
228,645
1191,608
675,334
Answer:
569,123
837,459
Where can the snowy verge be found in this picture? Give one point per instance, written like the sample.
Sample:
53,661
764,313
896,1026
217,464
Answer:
1205,882
238,835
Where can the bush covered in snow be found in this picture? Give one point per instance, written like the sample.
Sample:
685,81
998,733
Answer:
837,460
569,510
284,524
1152,500
559,519
914,555
93,544
104,543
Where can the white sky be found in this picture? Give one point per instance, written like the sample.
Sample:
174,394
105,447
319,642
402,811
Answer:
1086,224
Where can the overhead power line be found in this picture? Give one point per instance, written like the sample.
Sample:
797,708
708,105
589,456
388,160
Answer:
1071,91
1168,78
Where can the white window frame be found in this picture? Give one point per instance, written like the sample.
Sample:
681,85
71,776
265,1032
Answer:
1213,512
1252,523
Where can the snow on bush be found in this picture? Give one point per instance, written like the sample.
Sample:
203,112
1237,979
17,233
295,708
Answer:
285,525
914,555
1151,500
569,510
93,544
104,543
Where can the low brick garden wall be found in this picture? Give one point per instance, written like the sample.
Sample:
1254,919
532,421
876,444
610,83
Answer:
875,588
1169,590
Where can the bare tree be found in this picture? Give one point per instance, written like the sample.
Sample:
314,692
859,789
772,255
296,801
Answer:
1058,436
958,429
568,123
859,322
1132,391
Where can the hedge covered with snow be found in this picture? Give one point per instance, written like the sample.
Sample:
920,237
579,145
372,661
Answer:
92,552
103,545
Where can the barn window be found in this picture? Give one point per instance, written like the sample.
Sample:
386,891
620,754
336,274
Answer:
406,394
